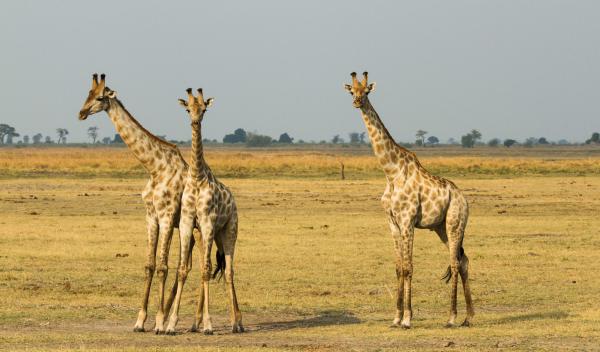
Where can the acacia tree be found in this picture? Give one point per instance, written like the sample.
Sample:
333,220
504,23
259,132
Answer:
362,137
421,137
93,133
7,131
62,135
26,139
10,135
476,135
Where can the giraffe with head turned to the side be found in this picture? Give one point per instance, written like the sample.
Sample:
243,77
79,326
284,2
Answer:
414,198
206,204
161,196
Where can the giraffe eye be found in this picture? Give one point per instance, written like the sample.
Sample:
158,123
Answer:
188,110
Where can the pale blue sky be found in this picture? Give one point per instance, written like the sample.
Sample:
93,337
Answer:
508,68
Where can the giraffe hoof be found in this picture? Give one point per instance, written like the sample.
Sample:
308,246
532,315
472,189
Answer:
158,332
237,329
136,329
405,326
208,332
449,325
194,328
171,332
395,325
466,324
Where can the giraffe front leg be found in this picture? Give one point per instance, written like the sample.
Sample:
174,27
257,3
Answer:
399,277
407,233
152,229
185,252
162,269
207,230
198,318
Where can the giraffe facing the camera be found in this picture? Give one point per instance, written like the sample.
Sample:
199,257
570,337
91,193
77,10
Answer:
414,198
208,205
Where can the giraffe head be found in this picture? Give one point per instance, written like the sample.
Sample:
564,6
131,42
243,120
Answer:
98,97
359,90
196,106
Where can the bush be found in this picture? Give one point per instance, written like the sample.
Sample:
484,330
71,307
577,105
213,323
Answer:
238,136
494,142
258,140
467,141
509,143
285,138
530,142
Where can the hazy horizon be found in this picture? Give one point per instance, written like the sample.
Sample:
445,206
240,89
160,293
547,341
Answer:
510,69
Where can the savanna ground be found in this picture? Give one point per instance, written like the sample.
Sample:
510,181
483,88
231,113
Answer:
314,261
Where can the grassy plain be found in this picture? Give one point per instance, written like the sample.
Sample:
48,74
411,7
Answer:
306,161
314,266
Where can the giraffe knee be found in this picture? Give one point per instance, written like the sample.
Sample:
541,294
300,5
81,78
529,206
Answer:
149,269
407,271
182,273
398,270
162,270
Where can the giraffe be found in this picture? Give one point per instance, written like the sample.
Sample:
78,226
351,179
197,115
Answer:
208,205
161,195
414,198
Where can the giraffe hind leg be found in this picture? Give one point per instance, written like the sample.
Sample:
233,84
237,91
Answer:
227,239
464,275
456,221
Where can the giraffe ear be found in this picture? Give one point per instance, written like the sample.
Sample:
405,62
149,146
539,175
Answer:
348,88
371,87
111,94
182,103
209,102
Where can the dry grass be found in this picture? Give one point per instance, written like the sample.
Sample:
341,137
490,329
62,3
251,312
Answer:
305,162
314,266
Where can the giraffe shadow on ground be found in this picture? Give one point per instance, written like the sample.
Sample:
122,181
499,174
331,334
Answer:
323,318
532,316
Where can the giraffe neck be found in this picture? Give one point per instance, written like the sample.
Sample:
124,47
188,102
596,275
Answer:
198,168
146,147
390,155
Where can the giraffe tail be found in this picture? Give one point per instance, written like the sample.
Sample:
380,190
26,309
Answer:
448,275
220,268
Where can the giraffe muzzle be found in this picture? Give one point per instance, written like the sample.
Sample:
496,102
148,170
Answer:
83,114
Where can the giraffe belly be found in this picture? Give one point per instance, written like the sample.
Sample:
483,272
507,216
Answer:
431,219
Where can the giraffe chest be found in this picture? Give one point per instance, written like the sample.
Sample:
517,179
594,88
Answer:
209,201
425,205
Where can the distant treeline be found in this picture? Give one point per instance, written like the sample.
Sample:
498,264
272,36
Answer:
474,138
